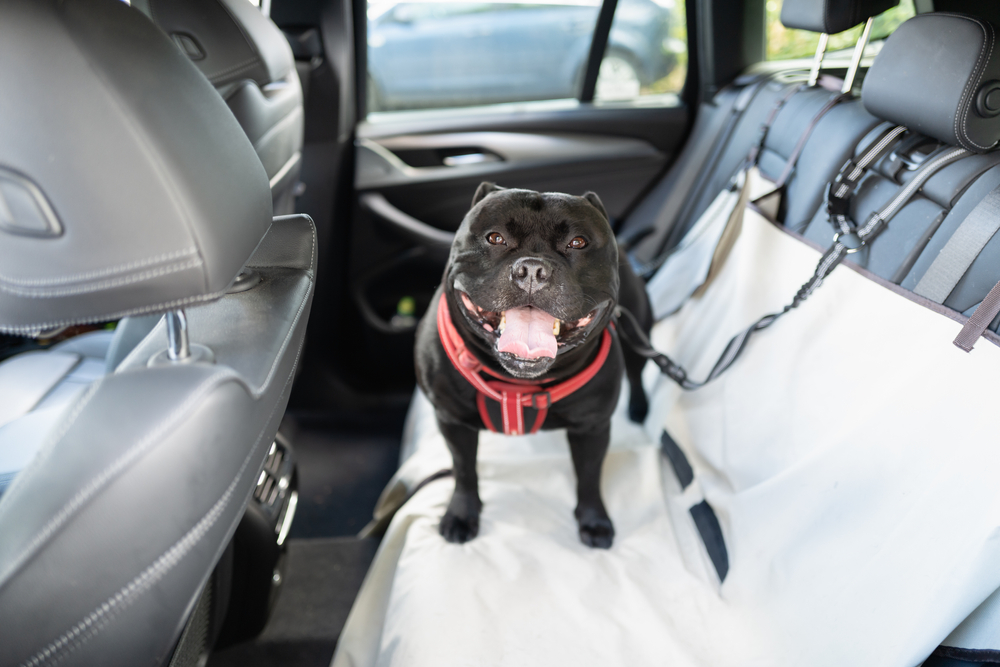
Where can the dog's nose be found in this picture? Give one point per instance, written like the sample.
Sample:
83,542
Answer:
530,273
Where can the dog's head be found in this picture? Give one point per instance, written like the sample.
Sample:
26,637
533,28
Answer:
534,275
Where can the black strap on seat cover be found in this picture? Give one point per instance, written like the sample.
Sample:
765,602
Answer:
849,239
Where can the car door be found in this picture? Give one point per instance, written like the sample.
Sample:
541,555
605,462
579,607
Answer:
498,93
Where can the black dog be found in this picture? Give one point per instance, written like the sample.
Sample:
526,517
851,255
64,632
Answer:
518,337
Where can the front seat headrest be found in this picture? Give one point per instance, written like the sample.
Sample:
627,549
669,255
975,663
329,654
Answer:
250,62
126,184
831,16
229,40
939,74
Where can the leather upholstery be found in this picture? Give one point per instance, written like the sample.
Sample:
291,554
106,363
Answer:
249,61
128,187
115,525
929,75
831,16
158,196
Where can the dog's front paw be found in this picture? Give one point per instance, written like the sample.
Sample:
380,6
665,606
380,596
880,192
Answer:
457,529
596,529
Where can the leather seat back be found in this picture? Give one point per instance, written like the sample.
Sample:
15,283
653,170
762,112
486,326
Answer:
249,61
127,187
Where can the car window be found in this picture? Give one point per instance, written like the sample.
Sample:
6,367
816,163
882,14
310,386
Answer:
646,54
785,44
437,54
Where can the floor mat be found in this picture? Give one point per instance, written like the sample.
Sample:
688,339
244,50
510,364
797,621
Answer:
344,462
321,581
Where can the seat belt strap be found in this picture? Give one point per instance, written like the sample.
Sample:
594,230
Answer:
961,250
980,320
797,151
758,146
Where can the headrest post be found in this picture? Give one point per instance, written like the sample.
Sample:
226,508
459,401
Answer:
178,348
818,59
859,50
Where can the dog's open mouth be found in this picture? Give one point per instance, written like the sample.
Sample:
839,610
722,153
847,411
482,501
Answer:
527,332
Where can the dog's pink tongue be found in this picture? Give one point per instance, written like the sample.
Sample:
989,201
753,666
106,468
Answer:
528,333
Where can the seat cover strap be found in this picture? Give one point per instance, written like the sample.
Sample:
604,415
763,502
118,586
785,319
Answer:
512,394
961,250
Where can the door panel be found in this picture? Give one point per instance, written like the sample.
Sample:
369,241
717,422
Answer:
432,176
415,178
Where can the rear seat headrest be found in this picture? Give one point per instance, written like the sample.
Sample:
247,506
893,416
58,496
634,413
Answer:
831,16
939,74
229,40
126,184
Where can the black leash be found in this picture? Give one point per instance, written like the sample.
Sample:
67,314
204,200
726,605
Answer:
849,239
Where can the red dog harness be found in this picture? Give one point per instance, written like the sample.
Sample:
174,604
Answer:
513,395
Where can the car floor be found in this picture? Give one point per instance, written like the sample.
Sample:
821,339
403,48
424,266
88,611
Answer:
344,462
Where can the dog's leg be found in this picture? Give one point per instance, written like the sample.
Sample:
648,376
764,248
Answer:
461,522
632,295
588,448
638,405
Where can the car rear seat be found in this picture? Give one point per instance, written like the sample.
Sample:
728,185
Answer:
659,222
816,406
901,258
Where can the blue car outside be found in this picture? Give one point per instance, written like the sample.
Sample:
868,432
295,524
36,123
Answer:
450,54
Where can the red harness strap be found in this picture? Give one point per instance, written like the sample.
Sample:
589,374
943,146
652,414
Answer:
513,395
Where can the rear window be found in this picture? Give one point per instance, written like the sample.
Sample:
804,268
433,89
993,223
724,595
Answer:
785,44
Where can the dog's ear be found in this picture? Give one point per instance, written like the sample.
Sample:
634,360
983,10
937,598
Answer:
595,201
484,189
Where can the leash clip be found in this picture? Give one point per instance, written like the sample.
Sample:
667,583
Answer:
850,240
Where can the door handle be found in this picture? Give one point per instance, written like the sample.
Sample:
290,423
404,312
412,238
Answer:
426,235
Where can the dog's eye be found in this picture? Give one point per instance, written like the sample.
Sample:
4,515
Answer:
578,242
495,239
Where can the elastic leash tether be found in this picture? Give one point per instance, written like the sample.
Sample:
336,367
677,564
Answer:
849,239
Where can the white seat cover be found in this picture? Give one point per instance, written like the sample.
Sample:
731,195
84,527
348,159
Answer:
849,455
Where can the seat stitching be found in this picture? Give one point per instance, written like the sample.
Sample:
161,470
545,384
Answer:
100,273
43,455
160,307
107,612
42,293
153,159
963,108
143,582
97,482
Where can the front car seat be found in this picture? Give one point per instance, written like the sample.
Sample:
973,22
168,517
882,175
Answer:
250,63
128,188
